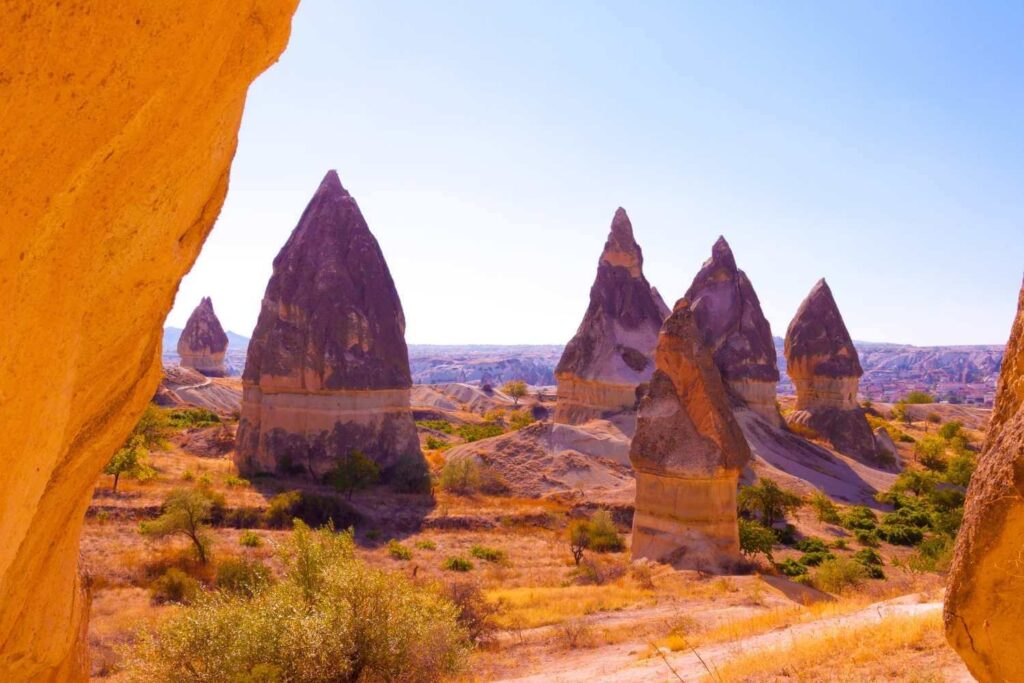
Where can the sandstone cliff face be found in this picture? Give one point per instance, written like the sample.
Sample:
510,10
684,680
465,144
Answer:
729,316
611,352
327,369
822,362
687,454
985,592
117,131
203,342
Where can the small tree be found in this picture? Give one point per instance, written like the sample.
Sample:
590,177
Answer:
899,412
950,430
768,500
130,461
919,398
354,471
931,452
515,388
579,539
185,512
756,539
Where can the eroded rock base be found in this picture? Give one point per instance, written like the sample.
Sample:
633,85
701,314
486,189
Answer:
581,400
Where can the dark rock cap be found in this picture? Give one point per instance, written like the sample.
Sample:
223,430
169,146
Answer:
728,314
331,317
818,333
203,332
620,301
685,423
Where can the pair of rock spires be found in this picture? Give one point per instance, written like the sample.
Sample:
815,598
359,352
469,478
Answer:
203,343
327,370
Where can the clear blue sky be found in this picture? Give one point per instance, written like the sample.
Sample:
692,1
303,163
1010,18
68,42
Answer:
877,144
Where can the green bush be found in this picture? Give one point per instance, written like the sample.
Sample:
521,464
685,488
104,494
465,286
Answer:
931,452
918,398
314,509
812,544
331,618
442,426
756,539
521,418
175,586
242,576
951,429
791,567
900,534
934,554
192,418
604,535
435,444
868,556
426,545
476,432
816,557
859,517
768,500
250,539
960,469
231,481
185,512
486,554
153,426
835,576
397,551
824,508
353,471
839,544
868,537
467,476
457,564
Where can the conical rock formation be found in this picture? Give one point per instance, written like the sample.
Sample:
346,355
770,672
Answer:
202,343
729,316
985,592
660,302
327,370
823,364
687,454
611,352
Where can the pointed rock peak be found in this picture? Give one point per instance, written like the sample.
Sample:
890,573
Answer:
206,304
722,252
820,298
662,306
819,334
331,183
621,248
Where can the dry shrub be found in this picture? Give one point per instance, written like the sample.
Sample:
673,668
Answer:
574,634
476,613
804,431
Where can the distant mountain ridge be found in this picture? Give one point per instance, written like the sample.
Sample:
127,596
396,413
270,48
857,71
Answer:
960,373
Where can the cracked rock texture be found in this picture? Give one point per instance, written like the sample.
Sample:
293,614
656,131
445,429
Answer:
984,610
118,125
610,355
687,453
327,370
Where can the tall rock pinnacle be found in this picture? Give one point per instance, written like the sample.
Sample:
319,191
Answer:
611,352
662,306
823,364
202,343
985,592
327,370
729,317
687,454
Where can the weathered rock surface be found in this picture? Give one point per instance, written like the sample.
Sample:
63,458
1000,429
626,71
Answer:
985,592
729,316
822,362
117,131
611,352
202,343
327,370
687,453
884,443
662,306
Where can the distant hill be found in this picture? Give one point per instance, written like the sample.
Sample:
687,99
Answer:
959,373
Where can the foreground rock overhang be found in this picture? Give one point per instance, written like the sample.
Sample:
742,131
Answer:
117,131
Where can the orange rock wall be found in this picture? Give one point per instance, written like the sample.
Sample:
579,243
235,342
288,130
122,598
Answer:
581,400
117,130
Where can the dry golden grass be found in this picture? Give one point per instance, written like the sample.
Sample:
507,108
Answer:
863,652
529,607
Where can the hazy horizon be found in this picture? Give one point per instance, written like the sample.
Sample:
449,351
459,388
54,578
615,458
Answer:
489,146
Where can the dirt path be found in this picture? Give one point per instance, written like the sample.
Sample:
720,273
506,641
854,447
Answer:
622,664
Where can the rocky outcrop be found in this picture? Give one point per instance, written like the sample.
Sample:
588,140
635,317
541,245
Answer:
985,592
884,445
117,131
687,454
822,362
729,317
202,343
327,369
611,352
